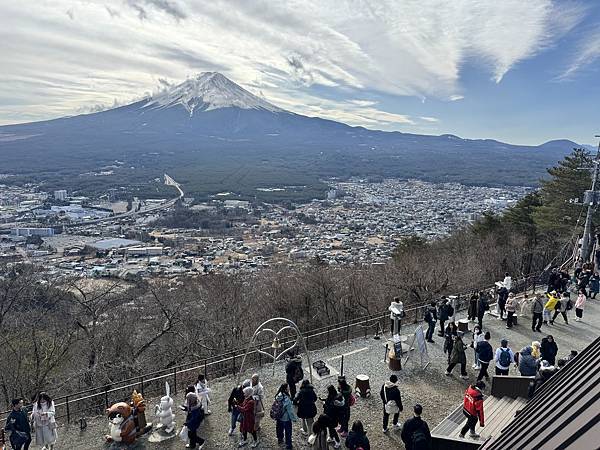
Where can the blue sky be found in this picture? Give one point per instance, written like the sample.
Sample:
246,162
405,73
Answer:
513,70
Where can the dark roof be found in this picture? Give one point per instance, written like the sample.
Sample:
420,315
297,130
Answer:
563,414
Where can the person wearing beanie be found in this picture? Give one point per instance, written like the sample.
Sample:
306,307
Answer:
527,363
392,403
537,311
193,419
504,358
473,409
458,356
415,432
549,349
248,418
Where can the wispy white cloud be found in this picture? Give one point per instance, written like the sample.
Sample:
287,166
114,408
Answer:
294,52
587,53
429,119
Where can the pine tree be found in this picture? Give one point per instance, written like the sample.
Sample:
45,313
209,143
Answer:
558,215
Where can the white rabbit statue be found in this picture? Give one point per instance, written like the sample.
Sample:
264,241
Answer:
164,413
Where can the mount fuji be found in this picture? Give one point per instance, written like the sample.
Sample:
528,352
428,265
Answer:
208,130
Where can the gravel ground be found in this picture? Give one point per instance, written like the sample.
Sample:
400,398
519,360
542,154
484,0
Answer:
430,387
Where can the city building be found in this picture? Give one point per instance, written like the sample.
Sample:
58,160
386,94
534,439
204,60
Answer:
26,232
60,195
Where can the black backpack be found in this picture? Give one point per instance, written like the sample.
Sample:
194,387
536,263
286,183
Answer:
298,373
420,440
450,311
428,316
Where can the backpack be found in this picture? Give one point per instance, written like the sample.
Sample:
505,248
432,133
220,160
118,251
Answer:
298,374
569,305
450,311
352,400
259,409
277,410
419,440
428,316
504,358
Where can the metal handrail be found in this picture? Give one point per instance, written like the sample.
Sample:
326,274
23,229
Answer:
318,337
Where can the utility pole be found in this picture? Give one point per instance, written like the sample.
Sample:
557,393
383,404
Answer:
591,200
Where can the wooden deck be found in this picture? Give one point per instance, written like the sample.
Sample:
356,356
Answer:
498,414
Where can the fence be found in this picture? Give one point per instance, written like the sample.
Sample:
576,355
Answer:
94,401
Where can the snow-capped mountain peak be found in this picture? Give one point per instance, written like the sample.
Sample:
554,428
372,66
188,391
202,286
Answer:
208,91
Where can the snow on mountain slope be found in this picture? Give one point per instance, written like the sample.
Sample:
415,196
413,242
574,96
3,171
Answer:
208,91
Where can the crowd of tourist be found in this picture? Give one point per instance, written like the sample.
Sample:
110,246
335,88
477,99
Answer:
325,420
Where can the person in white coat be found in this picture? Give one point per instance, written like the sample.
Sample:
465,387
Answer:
44,421
507,281
203,392
259,397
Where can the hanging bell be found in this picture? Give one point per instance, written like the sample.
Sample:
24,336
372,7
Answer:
276,344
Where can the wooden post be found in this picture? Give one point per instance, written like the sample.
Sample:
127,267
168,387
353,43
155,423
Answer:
175,380
68,413
342,366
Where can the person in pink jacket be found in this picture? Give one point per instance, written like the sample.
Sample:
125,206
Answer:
579,305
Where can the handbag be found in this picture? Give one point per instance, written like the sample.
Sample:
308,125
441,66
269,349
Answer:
183,434
391,407
312,439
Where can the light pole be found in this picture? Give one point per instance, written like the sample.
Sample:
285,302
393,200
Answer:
586,242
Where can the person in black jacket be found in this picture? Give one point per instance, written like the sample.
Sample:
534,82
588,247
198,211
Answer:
549,349
431,318
502,297
236,398
357,438
482,306
415,432
472,310
450,334
18,426
306,402
392,402
193,419
485,354
293,373
332,408
444,313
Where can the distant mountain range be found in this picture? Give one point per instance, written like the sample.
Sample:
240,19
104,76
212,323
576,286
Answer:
213,135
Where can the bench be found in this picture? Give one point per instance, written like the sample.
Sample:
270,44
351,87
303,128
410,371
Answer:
499,409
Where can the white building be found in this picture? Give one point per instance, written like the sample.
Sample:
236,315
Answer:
60,195
44,232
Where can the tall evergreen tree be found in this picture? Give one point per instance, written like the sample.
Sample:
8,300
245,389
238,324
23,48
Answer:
558,216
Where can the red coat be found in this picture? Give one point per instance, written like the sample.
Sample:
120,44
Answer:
473,403
247,410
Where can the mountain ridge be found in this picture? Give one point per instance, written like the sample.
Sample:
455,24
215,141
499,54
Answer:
210,133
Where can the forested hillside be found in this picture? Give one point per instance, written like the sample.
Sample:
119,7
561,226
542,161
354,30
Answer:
63,335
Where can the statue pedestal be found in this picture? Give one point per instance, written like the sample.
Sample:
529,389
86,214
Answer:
159,434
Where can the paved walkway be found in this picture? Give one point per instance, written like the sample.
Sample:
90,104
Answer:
437,393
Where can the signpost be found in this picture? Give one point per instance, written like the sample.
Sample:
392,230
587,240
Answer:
419,337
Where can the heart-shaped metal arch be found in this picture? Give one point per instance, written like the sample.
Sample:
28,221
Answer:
289,325
276,357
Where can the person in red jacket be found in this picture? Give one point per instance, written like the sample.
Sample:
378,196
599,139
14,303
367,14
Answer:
473,409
